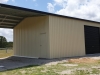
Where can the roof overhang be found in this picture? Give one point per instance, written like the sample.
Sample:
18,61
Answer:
10,16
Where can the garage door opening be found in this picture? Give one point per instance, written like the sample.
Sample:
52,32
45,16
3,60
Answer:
6,42
92,39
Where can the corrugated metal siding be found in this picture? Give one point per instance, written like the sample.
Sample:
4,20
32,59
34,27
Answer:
27,37
67,36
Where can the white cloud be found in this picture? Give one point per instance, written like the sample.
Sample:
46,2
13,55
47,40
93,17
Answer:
8,33
3,1
59,1
50,7
87,9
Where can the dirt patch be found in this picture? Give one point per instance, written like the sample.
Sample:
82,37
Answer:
72,65
83,60
66,72
51,63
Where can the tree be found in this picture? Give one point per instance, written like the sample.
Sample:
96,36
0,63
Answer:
10,44
3,42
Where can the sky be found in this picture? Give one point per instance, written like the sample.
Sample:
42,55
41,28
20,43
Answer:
85,9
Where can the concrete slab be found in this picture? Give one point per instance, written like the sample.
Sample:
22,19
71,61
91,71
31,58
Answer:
17,62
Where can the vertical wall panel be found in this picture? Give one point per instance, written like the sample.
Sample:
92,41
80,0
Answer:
27,37
67,36
63,37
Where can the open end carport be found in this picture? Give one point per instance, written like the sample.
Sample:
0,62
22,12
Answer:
45,35
10,17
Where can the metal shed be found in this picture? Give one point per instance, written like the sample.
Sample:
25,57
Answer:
46,35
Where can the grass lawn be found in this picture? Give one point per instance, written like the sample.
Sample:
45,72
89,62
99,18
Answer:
61,68
3,53
71,67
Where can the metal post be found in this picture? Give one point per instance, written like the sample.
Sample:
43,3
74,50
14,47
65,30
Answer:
6,50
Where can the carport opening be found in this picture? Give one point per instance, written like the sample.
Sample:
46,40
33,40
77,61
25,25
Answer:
6,42
11,16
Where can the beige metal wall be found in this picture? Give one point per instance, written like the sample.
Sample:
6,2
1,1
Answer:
50,37
31,37
67,36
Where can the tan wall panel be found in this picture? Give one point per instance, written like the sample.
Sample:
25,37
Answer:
28,35
67,36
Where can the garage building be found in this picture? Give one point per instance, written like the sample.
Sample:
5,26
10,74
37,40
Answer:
46,35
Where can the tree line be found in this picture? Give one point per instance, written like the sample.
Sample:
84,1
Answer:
4,43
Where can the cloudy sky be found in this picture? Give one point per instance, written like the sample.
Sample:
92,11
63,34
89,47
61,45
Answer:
86,9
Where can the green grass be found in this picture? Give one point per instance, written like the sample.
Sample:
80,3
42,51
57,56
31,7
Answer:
52,69
3,53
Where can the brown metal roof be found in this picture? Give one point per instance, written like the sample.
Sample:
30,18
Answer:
10,16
